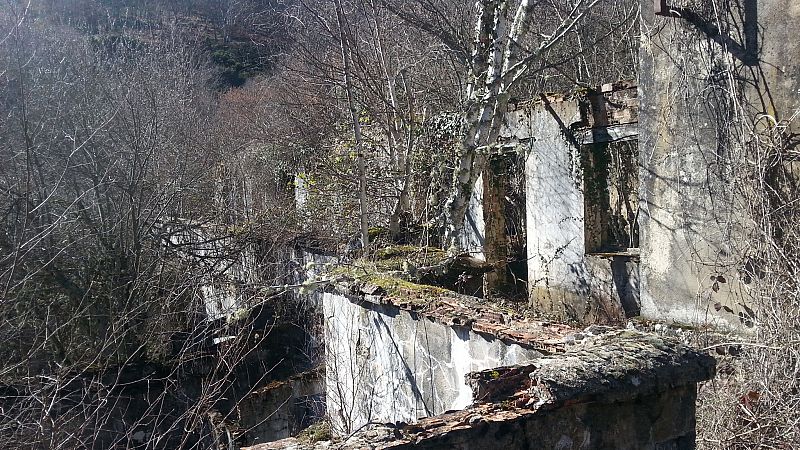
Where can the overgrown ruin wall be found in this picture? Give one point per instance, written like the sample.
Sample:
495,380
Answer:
568,278
712,80
571,275
282,408
386,364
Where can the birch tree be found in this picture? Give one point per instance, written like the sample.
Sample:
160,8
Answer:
500,60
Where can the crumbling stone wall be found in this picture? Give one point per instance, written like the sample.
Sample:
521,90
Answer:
282,408
571,275
606,390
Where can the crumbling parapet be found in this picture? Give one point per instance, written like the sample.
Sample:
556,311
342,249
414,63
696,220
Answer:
617,389
390,363
612,366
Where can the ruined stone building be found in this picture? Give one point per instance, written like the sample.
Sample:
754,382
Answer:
633,205
632,210
447,371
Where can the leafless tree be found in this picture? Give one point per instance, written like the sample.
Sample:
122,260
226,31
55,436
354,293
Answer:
116,184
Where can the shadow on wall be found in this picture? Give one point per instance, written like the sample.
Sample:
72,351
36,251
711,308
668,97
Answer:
384,364
729,33
582,203
709,100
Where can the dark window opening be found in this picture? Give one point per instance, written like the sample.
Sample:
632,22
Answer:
514,207
611,196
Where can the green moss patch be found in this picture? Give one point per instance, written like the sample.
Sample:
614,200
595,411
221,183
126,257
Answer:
394,257
320,431
402,289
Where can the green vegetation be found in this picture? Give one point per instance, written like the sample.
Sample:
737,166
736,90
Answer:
398,257
237,62
390,271
396,287
320,431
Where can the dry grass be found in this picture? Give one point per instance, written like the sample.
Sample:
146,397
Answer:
754,402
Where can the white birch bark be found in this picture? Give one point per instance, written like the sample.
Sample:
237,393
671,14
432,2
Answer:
498,64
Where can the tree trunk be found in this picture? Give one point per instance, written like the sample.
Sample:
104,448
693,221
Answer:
348,85
482,95
400,159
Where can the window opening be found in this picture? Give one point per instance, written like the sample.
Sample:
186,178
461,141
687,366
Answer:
611,196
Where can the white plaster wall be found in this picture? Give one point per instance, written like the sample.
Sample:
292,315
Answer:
554,198
386,365
562,278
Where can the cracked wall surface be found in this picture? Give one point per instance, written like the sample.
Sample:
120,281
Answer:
388,364
607,389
